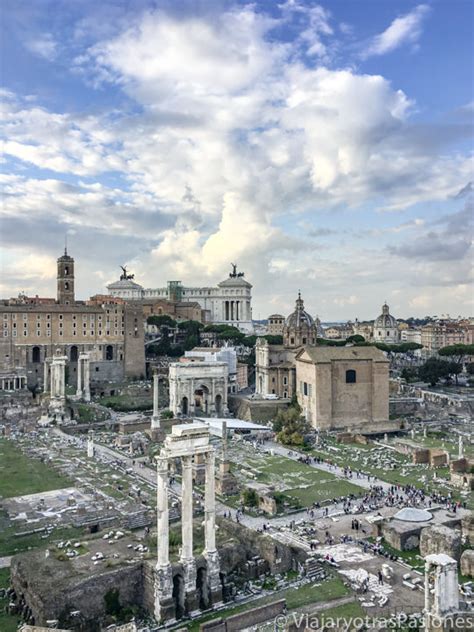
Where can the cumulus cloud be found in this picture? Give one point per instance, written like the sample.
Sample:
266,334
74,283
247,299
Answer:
230,137
404,29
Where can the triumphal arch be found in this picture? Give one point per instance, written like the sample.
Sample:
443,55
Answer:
199,388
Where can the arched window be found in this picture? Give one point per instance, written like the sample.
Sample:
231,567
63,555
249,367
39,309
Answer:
36,355
351,377
109,352
66,285
74,353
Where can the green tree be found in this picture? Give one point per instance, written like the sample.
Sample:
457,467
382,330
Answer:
274,339
250,497
433,370
356,339
160,320
457,354
409,374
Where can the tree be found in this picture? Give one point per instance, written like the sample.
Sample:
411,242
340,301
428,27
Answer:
433,370
409,374
274,339
160,320
457,355
250,497
356,339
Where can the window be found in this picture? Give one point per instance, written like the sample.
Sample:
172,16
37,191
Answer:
285,381
292,341
351,376
305,388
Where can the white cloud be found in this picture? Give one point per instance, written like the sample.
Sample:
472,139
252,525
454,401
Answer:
44,46
404,29
231,139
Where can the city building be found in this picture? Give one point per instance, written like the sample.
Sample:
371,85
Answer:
275,364
275,324
111,333
343,387
386,328
230,302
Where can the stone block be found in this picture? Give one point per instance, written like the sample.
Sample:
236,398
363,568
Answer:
440,539
467,563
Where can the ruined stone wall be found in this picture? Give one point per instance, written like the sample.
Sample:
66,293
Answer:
440,539
51,594
246,619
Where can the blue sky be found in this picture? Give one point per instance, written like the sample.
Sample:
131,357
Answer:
325,146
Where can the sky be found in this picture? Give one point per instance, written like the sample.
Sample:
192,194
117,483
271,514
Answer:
323,147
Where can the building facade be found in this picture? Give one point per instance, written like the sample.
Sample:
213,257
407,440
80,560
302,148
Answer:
111,333
275,324
230,302
343,388
275,364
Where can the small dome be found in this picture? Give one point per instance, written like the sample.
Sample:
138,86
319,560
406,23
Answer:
299,317
385,320
411,514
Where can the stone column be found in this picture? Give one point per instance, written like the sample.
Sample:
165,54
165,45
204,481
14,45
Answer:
210,504
45,376
162,513
79,377
87,378
164,604
186,558
155,420
187,509
210,550
427,587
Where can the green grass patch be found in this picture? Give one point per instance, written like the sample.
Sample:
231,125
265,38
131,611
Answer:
20,474
126,403
332,588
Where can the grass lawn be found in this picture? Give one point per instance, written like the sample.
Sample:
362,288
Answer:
11,544
299,482
333,588
126,403
345,613
8,623
20,475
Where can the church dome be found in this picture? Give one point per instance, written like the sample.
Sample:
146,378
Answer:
300,328
385,320
299,317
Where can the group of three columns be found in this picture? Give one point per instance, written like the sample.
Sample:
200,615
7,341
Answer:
165,604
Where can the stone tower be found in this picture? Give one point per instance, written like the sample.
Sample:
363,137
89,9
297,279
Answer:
65,279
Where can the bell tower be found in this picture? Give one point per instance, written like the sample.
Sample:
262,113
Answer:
65,279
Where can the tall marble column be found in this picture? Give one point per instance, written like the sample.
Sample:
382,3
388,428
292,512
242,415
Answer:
87,378
162,513
210,550
187,509
164,604
155,419
46,376
187,558
79,377
210,504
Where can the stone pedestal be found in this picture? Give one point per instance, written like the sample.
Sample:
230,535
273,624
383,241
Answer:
226,483
164,603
